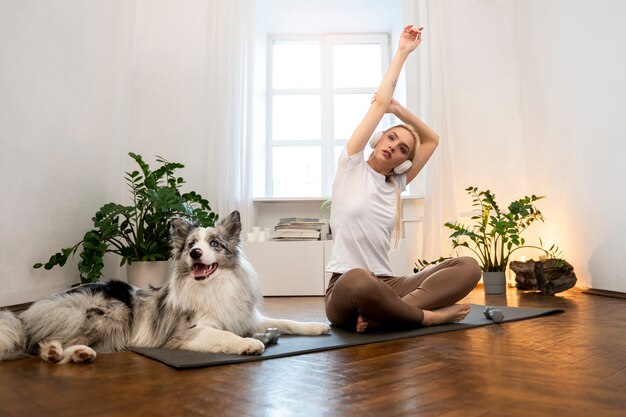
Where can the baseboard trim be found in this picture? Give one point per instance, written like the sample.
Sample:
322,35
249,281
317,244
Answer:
17,308
604,293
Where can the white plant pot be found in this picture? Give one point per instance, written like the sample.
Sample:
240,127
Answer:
146,274
494,282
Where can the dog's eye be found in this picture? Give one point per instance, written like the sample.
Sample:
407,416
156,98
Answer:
214,243
191,243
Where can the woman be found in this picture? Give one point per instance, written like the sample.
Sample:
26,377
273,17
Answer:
366,205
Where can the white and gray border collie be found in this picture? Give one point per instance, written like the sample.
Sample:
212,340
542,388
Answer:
209,304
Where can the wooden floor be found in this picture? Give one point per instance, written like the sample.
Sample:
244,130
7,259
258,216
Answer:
571,364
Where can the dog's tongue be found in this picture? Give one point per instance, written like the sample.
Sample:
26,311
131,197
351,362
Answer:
202,271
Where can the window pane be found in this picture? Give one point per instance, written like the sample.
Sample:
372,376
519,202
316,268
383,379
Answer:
349,111
296,65
297,171
356,65
296,117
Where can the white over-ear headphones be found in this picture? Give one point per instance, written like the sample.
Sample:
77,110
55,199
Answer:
400,169
403,167
375,138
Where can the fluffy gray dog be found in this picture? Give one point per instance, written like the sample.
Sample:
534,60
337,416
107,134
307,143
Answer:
209,304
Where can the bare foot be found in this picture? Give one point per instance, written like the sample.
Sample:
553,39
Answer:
364,324
451,314
361,324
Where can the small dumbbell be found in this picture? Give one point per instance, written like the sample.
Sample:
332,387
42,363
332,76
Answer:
270,336
494,314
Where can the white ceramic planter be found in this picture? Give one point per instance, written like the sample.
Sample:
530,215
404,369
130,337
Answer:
146,274
494,282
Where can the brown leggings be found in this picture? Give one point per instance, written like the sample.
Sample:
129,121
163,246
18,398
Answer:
398,300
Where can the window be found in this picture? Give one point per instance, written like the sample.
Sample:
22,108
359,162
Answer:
319,89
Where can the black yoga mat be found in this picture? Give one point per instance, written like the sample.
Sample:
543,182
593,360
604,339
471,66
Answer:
338,338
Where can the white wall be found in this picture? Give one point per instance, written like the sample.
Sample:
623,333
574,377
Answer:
64,79
486,134
170,90
572,65
538,94
189,80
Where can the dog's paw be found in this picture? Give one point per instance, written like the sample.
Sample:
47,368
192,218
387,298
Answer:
51,352
79,354
316,329
249,346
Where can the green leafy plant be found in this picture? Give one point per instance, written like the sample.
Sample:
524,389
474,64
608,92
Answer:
423,263
495,234
137,232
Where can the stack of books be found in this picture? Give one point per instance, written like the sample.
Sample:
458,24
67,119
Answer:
298,228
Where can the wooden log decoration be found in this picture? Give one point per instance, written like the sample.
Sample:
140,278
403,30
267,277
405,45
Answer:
549,276
524,274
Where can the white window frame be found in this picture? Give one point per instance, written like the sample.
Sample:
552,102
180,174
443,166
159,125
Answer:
326,93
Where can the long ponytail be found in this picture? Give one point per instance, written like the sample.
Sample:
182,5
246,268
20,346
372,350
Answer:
417,142
398,229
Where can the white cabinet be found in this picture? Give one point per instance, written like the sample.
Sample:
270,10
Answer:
288,268
298,268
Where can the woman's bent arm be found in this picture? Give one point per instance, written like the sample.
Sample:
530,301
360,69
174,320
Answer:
429,140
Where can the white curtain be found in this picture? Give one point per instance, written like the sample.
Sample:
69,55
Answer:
229,108
439,202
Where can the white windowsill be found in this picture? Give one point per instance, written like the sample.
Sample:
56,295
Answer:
272,200
289,200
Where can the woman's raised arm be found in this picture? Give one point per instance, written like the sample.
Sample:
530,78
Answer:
409,40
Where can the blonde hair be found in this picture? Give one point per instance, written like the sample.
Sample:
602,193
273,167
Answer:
416,144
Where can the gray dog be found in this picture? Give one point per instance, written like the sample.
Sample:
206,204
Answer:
209,304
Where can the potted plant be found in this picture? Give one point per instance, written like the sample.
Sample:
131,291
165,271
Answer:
495,234
139,231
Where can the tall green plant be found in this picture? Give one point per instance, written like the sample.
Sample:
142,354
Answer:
137,232
495,234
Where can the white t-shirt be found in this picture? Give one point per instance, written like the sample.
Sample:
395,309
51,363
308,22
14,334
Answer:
363,216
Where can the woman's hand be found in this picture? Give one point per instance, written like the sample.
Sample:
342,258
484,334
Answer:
394,107
410,38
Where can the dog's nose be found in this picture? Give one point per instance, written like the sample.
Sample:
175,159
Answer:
196,253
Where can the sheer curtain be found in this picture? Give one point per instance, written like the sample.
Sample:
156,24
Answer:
229,109
439,200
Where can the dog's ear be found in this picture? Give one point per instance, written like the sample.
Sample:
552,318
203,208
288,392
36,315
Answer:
181,228
231,226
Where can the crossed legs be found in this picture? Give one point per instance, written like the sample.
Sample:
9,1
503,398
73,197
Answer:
358,298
